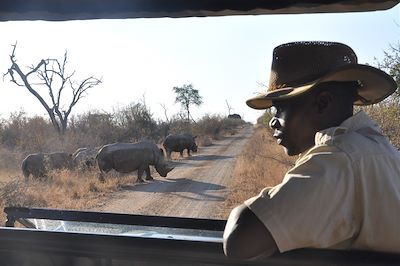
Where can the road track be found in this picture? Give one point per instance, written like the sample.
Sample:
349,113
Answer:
197,187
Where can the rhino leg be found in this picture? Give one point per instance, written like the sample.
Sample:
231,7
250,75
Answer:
181,152
39,174
101,177
188,151
169,154
148,175
139,177
26,175
25,170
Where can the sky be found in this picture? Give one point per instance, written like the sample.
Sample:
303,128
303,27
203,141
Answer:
226,58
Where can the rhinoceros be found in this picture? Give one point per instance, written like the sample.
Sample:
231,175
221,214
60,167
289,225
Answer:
178,143
128,157
234,116
85,158
38,164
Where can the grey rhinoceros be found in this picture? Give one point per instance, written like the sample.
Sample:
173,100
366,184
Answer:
178,143
38,164
128,157
85,158
234,116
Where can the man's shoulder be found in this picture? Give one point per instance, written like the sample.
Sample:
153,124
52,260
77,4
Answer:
364,142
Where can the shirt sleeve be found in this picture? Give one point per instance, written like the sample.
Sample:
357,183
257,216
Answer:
313,206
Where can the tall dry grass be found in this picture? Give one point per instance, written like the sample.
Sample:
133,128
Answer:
61,189
261,164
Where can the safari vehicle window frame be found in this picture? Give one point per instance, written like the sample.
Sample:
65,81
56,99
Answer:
27,245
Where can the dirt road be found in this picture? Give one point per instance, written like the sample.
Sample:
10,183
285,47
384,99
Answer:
195,188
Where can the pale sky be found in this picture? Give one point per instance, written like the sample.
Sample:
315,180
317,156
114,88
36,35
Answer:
225,58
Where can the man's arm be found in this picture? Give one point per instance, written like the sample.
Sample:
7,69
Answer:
245,236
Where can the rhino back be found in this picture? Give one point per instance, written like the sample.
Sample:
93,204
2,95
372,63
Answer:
128,157
178,142
33,163
58,160
34,160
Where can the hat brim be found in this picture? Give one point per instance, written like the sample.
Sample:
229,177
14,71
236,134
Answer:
376,85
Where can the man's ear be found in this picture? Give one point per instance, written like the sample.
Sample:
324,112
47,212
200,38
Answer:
323,101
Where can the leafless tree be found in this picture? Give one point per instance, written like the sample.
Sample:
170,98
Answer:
229,107
165,111
391,64
51,74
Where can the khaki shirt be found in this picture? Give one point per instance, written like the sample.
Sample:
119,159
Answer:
342,193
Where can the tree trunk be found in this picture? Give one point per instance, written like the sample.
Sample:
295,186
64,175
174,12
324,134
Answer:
188,113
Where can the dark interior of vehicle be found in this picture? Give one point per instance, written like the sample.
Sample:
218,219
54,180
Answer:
91,9
50,237
34,236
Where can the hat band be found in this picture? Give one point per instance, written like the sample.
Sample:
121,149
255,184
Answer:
296,83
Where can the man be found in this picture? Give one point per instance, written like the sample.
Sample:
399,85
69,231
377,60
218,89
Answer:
344,191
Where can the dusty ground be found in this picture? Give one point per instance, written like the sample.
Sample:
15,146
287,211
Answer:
197,187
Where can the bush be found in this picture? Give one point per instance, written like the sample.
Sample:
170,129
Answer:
216,126
21,135
387,116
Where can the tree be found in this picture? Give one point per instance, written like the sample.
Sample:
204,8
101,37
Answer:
386,113
187,96
391,64
137,122
51,74
229,107
165,112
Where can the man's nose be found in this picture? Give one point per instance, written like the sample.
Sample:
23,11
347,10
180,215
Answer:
274,123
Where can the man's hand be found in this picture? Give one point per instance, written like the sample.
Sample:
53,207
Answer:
245,236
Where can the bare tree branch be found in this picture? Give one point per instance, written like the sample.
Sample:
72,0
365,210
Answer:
78,92
229,107
12,57
36,68
53,75
165,111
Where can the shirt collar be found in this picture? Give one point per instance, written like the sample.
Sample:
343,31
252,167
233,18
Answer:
356,122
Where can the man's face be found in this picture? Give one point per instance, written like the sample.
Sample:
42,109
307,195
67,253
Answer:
294,124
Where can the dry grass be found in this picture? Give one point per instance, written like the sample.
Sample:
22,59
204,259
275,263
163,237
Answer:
62,189
204,141
262,164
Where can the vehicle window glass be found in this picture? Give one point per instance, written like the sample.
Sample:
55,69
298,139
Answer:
85,84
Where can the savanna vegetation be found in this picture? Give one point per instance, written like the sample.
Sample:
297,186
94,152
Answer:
54,87
21,135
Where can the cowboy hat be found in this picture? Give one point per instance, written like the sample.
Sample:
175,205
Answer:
298,67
